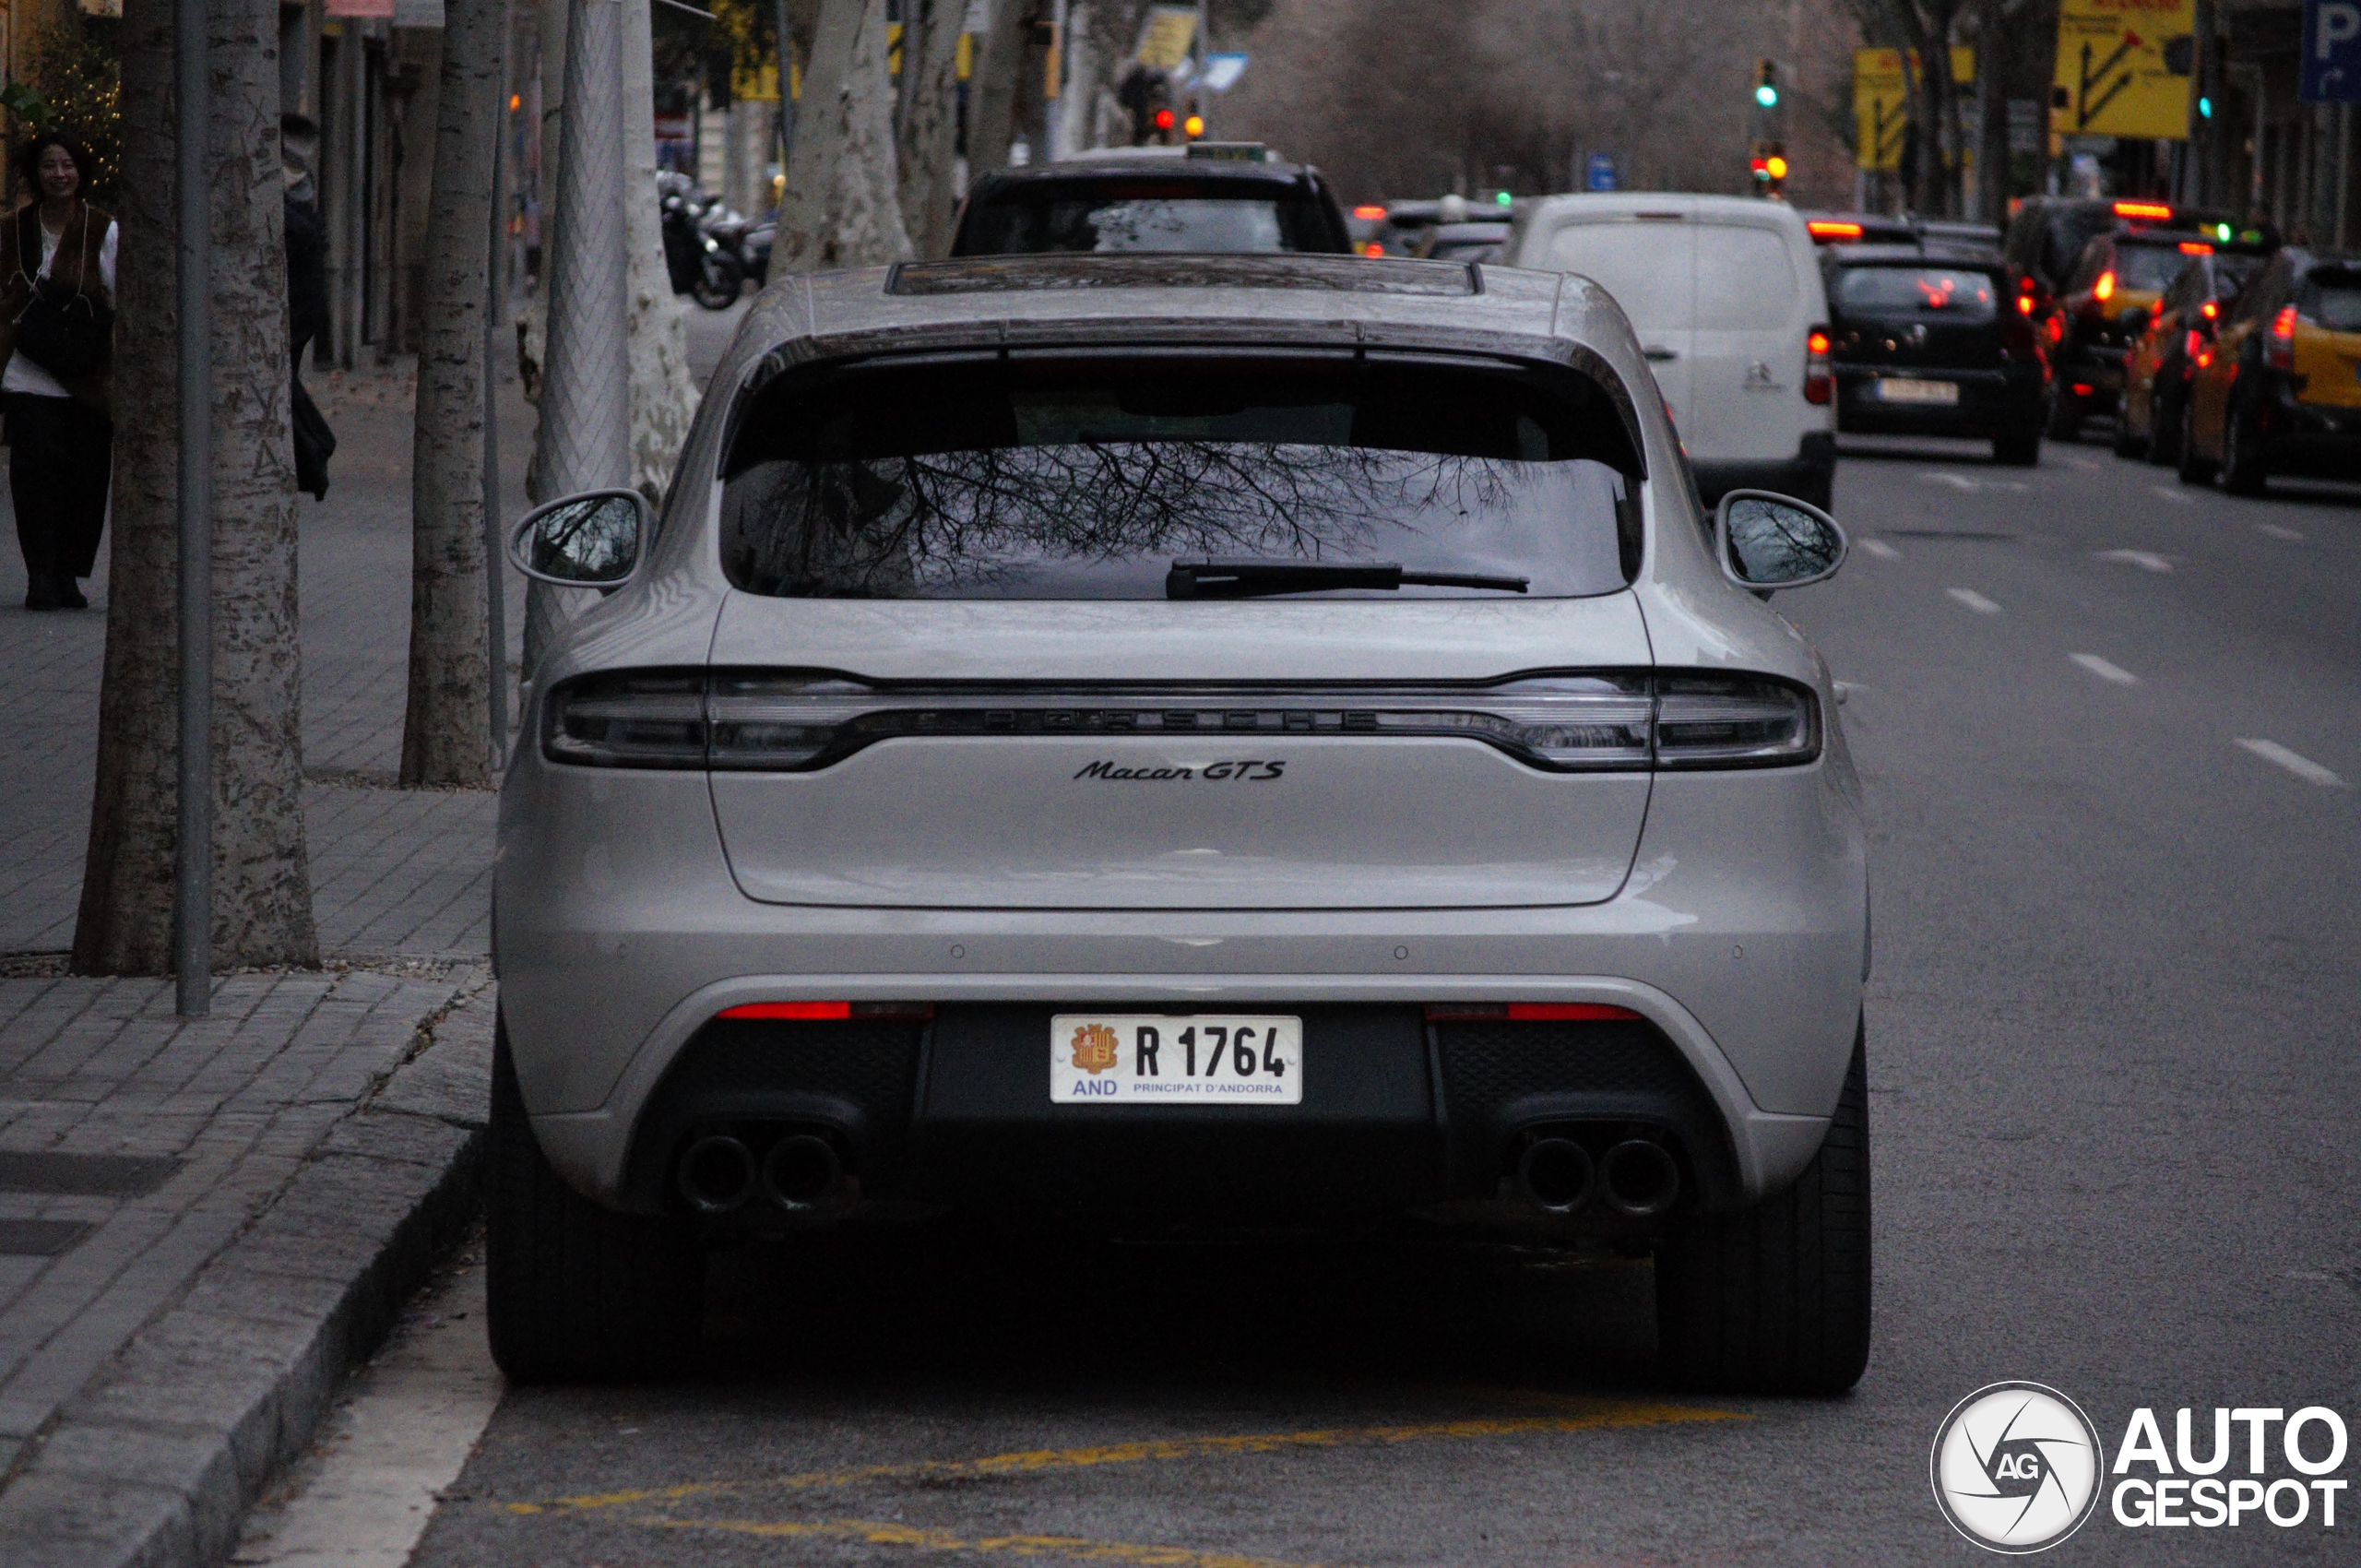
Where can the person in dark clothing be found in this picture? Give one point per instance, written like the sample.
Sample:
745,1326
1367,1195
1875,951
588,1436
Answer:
307,295
60,437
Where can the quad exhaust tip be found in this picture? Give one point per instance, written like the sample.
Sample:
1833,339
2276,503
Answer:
718,1174
1638,1179
1556,1174
802,1172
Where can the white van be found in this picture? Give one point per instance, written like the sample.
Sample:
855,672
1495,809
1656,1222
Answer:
1724,294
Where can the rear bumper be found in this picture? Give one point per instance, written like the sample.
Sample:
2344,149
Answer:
1990,403
1740,937
1809,475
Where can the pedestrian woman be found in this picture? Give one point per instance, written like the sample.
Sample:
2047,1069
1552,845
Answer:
56,364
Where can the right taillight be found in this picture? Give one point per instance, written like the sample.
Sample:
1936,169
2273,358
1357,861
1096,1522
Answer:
2279,348
1820,386
1725,722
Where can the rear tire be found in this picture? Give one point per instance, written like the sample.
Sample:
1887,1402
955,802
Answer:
2126,443
720,282
1775,1299
2163,424
2242,469
2193,468
576,1292
2018,448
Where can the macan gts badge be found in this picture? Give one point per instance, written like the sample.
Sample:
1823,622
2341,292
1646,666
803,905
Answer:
1100,714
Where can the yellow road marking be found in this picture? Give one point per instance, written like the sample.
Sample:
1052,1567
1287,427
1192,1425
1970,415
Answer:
1591,1415
877,1533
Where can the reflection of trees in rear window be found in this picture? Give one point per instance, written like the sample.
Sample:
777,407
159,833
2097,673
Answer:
2150,268
1146,223
1934,292
964,486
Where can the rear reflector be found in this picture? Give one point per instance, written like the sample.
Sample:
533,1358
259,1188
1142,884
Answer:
1530,1012
817,1012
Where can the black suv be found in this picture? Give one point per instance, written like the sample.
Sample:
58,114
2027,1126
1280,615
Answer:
1931,342
1131,203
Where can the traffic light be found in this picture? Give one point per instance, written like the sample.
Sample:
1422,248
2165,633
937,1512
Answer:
1766,83
1769,167
1193,126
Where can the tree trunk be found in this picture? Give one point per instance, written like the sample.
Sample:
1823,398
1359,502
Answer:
930,194
841,208
663,394
1000,53
262,910
1992,133
446,731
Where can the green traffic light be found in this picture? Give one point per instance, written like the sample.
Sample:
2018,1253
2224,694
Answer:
1767,96
2221,233
1503,198
2205,109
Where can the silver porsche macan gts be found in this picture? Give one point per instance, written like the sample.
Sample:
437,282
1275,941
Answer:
1278,735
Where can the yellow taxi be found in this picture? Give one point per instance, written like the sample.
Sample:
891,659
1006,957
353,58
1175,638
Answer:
2282,392
2105,305
2179,333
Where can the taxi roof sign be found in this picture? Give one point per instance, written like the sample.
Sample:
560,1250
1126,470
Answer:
1231,151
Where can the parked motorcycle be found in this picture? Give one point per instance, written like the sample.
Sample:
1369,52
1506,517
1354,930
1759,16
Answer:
699,265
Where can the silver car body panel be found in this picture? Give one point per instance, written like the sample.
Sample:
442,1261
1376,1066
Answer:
1737,921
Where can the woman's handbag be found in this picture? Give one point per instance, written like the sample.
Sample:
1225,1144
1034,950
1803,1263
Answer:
62,330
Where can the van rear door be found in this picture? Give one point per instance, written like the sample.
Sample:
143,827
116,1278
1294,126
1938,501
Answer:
1748,348
1648,261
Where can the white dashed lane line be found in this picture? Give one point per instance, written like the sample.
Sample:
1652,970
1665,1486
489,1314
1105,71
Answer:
2278,530
2105,670
1973,600
1880,549
2146,560
2295,763
2180,497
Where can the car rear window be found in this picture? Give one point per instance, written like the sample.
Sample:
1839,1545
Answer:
2150,268
2331,297
1745,279
1944,294
1145,215
1090,479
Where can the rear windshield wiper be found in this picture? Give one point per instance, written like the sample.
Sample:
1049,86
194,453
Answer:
1217,578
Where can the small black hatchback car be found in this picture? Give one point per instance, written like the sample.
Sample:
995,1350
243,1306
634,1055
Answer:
1933,342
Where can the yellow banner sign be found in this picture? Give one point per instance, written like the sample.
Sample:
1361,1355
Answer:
2111,76
1881,103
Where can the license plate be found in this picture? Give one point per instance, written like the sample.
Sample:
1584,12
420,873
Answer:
1899,389
1175,1059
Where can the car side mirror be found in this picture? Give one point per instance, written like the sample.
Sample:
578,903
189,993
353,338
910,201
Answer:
1770,542
591,540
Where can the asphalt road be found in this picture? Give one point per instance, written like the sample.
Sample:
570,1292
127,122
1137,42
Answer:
2109,727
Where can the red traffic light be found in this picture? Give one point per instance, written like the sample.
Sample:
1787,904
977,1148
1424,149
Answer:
1164,119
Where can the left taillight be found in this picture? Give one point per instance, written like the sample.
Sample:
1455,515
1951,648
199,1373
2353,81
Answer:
2278,349
628,720
1819,385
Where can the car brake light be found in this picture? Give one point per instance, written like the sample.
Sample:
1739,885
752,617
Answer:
2280,349
2208,310
2155,210
2082,390
2057,329
1370,213
2024,304
1531,1012
786,721
825,1012
2195,247
2204,359
1820,386
2104,290
1372,249
1825,229
2195,343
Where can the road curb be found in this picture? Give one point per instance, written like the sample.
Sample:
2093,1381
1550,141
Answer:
154,1463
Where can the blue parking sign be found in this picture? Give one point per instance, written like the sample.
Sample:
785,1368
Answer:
2332,51
1601,174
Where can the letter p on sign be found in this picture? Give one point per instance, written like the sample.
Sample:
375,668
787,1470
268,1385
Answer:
2332,51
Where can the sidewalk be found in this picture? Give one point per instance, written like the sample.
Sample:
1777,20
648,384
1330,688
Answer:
201,1224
